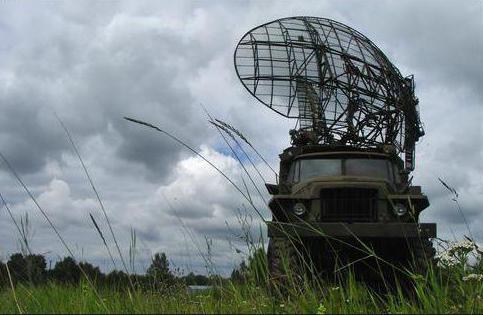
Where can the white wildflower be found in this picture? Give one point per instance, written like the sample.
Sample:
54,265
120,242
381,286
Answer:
462,246
456,253
447,259
473,276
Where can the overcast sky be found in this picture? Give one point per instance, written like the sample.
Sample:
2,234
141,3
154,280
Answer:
94,62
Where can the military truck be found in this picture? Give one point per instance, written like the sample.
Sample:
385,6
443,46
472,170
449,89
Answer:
331,199
344,193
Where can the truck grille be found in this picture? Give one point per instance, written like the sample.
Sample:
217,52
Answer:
348,205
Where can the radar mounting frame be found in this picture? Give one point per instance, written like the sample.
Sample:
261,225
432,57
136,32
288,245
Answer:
339,86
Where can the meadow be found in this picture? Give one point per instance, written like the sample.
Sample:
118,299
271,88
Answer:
449,291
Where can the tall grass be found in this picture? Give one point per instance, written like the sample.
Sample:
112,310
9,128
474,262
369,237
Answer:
433,277
50,223
437,293
455,285
22,228
101,204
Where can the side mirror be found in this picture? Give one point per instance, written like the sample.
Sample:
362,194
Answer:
272,189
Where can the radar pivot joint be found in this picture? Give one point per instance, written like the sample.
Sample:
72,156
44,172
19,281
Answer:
311,121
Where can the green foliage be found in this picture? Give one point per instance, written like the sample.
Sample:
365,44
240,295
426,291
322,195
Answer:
159,268
29,268
256,270
93,273
3,275
192,279
18,267
454,285
117,279
431,296
159,271
239,274
67,271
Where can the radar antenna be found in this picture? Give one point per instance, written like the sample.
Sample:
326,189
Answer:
339,86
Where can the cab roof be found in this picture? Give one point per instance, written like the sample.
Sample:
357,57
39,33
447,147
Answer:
332,150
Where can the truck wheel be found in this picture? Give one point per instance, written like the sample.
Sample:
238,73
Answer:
423,254
419,260
282,260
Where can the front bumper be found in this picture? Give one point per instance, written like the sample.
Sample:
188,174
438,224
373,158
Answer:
359,230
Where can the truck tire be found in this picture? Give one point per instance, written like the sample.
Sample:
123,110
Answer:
423,255
282,260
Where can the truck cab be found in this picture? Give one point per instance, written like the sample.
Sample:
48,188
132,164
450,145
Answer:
366,187
328,197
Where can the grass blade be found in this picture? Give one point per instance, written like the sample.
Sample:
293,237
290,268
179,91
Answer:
91,182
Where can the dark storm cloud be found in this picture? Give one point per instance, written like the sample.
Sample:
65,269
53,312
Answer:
92,75
95,62
28,132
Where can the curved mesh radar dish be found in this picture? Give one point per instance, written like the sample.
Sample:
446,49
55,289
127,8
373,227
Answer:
333,80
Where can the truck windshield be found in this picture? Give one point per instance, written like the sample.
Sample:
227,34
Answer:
307,168
313,167
368,167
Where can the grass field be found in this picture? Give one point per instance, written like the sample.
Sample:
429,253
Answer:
439,292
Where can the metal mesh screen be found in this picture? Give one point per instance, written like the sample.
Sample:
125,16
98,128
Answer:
331,78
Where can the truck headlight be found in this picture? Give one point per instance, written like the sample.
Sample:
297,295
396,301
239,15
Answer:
400,209
299,209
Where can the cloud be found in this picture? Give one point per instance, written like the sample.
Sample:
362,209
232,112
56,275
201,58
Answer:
92,74
93,63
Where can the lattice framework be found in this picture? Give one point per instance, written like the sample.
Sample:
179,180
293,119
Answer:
333,80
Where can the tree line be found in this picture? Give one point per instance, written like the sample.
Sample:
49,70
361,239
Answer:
32,269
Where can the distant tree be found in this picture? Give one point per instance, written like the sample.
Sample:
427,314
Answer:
202,280
66,271
189,279
3,275
117,279
239,274
36,268
192,279
18,267
256,269
94,273
29,268
159,268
